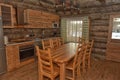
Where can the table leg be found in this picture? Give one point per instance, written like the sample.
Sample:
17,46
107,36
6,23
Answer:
62,71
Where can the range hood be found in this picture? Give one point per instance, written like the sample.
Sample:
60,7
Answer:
21,16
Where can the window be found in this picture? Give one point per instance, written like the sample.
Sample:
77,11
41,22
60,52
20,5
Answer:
73,28
114,29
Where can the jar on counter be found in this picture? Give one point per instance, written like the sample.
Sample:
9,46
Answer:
5,40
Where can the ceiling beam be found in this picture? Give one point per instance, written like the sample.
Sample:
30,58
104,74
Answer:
47,1
102,1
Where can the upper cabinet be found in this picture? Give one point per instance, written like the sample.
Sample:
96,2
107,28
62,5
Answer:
41,19
27,18
7,16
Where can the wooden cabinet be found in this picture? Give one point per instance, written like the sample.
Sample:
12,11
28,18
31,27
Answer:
40,19
12,56
7,16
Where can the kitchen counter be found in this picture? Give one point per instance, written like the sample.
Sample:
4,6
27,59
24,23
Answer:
20,43
36,41
13,54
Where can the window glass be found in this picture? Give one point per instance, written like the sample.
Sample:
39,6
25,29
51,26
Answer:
75,27
116,28
74,30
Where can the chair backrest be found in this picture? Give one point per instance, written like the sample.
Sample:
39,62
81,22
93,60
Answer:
81,40
45,64
54,43
46,43
61,41
89,46
81,49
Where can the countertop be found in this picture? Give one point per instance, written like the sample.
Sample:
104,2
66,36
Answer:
36,41
18,43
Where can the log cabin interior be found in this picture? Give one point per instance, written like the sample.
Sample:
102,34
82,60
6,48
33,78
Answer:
59,39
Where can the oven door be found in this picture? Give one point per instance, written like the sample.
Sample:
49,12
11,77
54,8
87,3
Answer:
26,52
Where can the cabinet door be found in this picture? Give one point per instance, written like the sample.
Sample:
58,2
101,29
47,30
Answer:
12,57
7,16
41,19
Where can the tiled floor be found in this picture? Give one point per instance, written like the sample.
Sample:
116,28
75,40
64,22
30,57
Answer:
100,70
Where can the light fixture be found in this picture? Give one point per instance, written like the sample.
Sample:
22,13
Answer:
67,5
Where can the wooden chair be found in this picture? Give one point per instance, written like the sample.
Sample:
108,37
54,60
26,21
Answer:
54,43
88,53
60,41
46,43
82,40
81,60
73,67
45,65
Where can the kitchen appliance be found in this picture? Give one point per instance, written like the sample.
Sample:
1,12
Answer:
5,40
3,67
55,25
26,52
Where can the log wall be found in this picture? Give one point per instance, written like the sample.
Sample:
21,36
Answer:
19,31
99,25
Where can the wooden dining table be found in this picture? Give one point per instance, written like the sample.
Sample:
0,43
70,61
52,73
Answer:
63,55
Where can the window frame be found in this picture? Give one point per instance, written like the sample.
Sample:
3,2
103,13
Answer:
85,19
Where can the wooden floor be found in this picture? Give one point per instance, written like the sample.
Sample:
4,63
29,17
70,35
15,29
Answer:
100,70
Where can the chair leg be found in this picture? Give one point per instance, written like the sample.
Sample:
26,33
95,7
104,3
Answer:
89,62
52,78
83,64
73,75
40,77
78,73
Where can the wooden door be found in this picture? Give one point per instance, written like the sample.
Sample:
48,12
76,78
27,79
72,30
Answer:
113,44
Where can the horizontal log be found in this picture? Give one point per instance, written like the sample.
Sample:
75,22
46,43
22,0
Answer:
100,20
97,19
99,23
114,56
99,16
99,45
98,56
99,30
101,9
115,46
100,27
99,34
99,39
113,51
99,51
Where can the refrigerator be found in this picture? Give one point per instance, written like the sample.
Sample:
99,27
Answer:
2,50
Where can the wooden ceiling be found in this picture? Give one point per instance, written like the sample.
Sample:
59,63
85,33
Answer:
66,5
82,3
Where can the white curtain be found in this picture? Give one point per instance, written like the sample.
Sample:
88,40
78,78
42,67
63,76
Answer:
74,29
